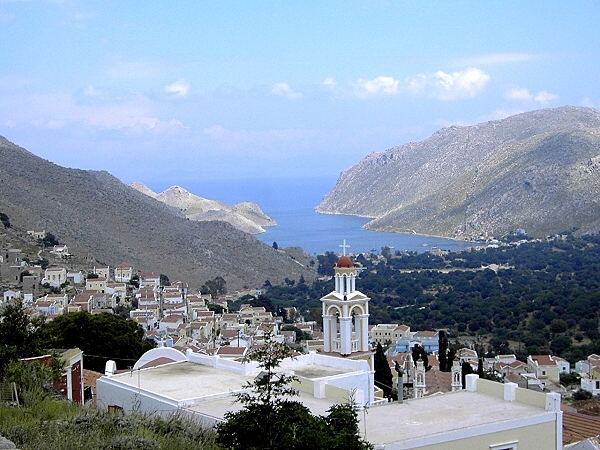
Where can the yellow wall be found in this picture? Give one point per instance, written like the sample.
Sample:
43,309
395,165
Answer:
533,437
304,385
336,394
530,397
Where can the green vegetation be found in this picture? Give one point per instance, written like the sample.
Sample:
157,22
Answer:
270,419
383,373
5,220
544,298
216,286
59,425
49,240
100,336
20,336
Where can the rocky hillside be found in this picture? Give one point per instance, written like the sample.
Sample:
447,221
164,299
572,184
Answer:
539,171
94,213
245,216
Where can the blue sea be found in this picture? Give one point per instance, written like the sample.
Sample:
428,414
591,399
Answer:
291,203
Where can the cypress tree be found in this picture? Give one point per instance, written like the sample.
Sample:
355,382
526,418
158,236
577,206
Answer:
383,373
443,352
466,369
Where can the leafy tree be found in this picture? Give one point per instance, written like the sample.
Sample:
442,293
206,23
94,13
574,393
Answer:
5,220
270,420
49,240
20,336
164,280
218,309
214,287
275,245
100,336
569,378
580,394
383,374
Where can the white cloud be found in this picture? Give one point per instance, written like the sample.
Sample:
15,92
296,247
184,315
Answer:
179,89
449,86
492,59
329,83
284,90
544,97
519,94
379,86
59,110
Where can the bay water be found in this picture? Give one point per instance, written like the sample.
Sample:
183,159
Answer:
291,203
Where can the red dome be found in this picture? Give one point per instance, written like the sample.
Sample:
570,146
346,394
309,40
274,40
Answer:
345,262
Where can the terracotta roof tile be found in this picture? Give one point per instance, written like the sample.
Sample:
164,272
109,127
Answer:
577,427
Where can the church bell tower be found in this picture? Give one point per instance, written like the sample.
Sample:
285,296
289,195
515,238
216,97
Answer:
345,312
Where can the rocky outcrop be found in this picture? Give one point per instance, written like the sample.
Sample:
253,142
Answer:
539,171
245,216
97,215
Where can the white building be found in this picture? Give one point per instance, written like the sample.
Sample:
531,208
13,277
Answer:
345,313
486,415
55,276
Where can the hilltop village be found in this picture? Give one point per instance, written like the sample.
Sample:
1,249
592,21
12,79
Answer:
203,336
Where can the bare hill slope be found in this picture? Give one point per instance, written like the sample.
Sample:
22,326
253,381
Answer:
539,171
94,212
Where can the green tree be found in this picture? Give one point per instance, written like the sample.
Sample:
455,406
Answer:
5,220
20,336
383,373
443,352
480,368
100,336
466,369
269,419
419,352
275,245
214,287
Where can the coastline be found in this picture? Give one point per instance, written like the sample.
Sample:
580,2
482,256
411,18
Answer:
406,233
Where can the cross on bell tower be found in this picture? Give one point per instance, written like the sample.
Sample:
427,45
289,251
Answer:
345,311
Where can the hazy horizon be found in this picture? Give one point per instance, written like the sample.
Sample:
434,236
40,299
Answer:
169,94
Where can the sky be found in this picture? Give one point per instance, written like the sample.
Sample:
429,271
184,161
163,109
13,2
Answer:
173,92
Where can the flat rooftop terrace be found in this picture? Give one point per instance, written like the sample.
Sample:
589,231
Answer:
314,371
443,413
184,380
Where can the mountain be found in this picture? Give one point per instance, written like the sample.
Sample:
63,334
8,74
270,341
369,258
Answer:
245,216
539,171
94,213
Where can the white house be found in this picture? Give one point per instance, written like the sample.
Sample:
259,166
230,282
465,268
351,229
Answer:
486,415
102,272
55,276
545,367
75,277
11,295
60,250
123,273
